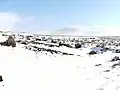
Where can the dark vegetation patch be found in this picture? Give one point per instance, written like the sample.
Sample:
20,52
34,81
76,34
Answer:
107,71
38,49
38,39
98,64
116,64
50,45
117,51
24,42
116,58
63,44
92,53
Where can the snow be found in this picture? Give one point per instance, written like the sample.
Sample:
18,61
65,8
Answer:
23,69
2,38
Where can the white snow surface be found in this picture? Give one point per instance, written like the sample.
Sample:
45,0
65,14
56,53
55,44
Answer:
24,70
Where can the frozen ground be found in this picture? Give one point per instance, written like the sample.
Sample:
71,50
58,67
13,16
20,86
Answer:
22,69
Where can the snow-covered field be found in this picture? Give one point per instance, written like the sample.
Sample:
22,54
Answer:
55,67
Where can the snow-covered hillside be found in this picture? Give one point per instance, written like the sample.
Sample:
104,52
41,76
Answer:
60,63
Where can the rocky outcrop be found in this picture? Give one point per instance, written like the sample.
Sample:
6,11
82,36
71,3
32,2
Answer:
1,79
9,42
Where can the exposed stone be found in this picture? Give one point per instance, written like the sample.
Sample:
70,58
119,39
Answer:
11,42
77,45
1,79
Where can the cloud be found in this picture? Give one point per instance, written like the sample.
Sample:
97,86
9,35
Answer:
11,21
8,20
97,30
16,22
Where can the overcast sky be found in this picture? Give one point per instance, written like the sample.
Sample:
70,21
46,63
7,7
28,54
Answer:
97,16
